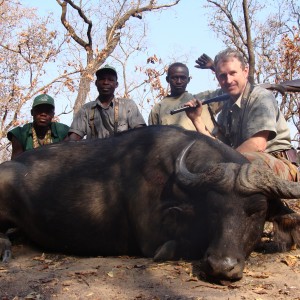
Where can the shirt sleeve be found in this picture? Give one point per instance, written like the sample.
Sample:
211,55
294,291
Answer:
153,118
61,130
262,114
80,123
135,118
16,132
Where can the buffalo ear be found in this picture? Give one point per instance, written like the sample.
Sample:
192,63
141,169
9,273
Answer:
296,235
287,231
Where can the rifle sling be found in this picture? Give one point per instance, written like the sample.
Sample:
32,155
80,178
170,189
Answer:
104,120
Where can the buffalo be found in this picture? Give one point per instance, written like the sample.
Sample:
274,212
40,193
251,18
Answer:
158,191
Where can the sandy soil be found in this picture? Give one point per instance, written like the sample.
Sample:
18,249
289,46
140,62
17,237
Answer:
35,275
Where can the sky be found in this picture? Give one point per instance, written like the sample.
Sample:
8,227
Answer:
180,31
184,30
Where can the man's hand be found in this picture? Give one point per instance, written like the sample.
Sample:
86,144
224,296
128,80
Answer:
205,62
73,137
194,114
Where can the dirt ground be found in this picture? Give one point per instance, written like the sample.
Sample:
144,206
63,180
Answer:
32,274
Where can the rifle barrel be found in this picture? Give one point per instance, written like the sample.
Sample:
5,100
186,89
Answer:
214,99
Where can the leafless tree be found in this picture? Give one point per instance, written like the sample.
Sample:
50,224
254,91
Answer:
115,15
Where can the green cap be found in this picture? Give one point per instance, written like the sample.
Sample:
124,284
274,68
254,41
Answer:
108,69
43,99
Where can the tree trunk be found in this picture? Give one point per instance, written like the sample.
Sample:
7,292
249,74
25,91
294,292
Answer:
83,91
249,45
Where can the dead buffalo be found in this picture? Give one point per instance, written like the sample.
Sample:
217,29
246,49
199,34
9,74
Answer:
159,192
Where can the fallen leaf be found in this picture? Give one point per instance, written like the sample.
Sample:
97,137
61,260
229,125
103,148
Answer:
86,272
257,275
171,277
67,283
3,270
110,274
90,294
192,279
40,258
290,260
260,291
33,296
139,266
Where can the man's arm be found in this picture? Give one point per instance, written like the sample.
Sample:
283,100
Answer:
256,143
17,148
73,137
153,118
135,118
260,122
80,123
195,116
205,62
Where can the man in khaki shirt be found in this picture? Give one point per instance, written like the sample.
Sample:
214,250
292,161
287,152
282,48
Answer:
178,78
250,121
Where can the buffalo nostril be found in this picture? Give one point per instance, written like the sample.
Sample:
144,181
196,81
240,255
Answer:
226,263
225,267
229,263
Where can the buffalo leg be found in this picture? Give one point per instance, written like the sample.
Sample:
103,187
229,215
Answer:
166,252
5,248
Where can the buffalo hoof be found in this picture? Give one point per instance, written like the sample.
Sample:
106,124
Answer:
166,251
5,248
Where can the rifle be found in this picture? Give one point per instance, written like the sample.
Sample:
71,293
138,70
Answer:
214,99
291,86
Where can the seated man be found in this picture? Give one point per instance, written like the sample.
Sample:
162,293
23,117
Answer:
41,131
107,115
178,78
250,121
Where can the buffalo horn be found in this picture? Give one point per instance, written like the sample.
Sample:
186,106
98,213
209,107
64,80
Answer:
249,178
254,178
221,176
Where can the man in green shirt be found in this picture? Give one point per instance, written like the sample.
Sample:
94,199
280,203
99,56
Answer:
41,131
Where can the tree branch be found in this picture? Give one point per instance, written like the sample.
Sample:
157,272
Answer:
230,18
86,45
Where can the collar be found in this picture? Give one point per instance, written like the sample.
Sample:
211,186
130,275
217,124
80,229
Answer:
52,128
238,102
179,96
98,102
